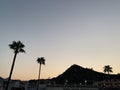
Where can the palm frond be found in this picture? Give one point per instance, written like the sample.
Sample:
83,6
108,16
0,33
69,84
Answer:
17,46
41,60
22,50
107,68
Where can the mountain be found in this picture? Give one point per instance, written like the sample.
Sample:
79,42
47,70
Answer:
77,74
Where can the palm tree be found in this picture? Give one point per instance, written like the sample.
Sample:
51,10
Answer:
40,61
107,69
17,47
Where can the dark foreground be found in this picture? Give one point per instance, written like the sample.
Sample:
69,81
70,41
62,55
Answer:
109,88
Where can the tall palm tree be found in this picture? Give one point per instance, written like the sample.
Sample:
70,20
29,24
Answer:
40,61
107,69
17,47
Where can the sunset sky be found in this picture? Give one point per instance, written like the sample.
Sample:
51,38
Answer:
64,32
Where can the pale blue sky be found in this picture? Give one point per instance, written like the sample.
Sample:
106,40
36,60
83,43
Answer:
65,32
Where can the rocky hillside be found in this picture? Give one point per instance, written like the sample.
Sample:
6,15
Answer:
77,74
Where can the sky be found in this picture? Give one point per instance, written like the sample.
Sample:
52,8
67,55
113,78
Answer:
64,32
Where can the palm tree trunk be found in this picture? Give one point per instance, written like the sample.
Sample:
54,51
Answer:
11,71
39,77
39,72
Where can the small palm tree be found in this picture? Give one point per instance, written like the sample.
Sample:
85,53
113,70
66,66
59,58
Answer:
107,69
40,61
17,47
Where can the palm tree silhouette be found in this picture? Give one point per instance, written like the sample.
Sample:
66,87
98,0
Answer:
107,69
40,61
17,47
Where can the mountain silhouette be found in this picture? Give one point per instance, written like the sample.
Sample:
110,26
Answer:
77,74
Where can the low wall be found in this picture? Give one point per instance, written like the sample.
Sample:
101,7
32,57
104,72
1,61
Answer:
69,88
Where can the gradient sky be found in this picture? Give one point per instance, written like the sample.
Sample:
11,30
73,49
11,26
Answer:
64,32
